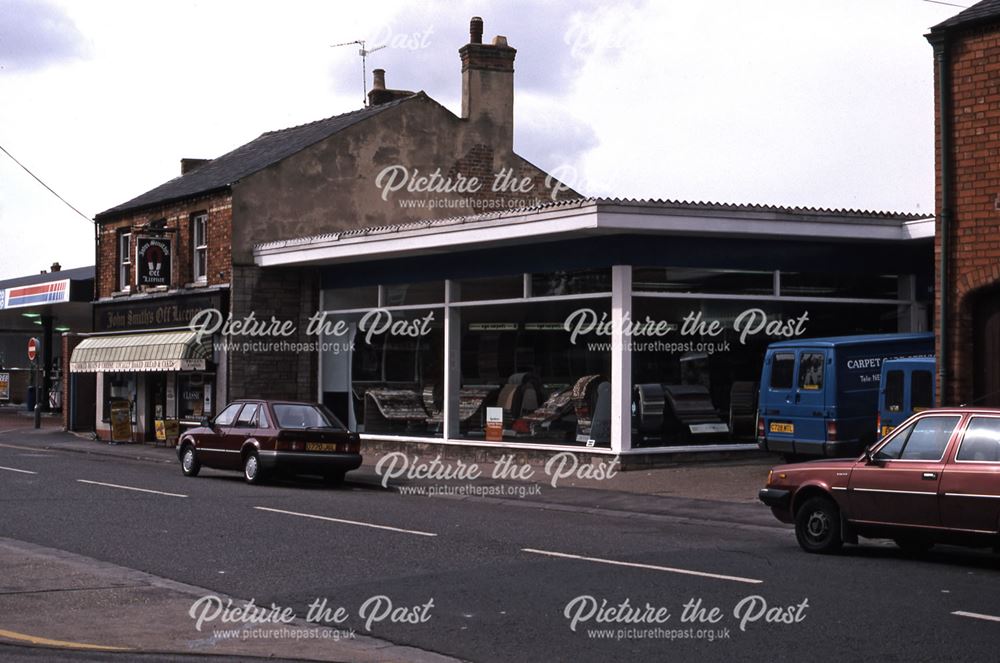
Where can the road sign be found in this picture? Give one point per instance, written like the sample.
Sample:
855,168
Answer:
32,349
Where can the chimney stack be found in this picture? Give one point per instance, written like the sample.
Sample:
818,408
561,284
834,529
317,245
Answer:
56,267
379,94
188,165
488,85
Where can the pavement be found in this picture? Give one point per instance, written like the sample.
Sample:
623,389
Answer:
731,481
83,604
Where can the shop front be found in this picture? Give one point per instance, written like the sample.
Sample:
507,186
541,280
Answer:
614,327
152,370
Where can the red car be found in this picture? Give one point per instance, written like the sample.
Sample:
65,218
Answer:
264,437
934,479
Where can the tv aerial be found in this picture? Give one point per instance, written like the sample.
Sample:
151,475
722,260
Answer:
364,53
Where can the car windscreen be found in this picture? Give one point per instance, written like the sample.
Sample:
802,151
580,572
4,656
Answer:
300,415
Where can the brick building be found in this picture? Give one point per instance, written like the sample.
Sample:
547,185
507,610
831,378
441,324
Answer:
186,246
967,247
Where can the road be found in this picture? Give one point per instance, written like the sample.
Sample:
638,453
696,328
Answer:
489,581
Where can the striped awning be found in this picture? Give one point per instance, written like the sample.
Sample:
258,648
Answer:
154,351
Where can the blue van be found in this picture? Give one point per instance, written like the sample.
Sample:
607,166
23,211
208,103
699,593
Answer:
819,397
907,387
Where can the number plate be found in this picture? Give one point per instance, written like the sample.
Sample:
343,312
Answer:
321,446
782,427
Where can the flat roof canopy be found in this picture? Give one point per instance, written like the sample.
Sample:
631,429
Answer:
590,217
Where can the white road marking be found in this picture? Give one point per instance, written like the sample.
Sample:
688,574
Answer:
14,469
346,522
140,490
652,567
976,615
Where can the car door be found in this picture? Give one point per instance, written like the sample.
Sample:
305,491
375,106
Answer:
970,485
211,446
243,428
901,484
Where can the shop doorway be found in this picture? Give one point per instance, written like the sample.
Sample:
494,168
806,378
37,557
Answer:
986,349
156,386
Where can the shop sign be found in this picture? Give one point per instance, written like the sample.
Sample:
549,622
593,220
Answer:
138,365
154,258
156,312
494,424
4,386
55,292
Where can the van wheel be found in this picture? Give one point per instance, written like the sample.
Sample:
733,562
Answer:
817,526
190,464
914,546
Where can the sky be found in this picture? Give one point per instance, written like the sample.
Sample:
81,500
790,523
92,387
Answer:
784,102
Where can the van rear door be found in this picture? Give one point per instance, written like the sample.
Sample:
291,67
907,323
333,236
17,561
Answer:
795,401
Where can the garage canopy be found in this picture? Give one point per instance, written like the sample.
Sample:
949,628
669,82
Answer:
160,351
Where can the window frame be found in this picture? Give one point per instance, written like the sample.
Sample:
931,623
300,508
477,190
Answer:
124,261
199,274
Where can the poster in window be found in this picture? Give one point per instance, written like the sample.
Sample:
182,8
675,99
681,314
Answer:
154,255
4,386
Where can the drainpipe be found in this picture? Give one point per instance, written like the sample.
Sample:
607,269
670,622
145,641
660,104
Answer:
943,61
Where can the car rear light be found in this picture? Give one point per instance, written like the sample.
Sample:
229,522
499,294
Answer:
831,430
289,445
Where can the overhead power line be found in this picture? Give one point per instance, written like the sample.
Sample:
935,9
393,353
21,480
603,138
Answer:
949,4
39,180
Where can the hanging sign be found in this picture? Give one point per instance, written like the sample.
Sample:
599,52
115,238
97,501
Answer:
154,256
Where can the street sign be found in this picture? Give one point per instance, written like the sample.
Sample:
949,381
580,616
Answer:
32,349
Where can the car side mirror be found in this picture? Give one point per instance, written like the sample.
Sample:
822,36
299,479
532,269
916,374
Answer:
205,422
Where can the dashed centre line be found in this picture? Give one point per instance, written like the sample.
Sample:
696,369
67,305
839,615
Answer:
140,490
650,567
346,522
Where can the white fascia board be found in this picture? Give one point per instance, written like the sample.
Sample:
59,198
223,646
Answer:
763,226
434,238
920,229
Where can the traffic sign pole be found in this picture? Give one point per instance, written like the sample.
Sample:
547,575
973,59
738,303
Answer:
35,379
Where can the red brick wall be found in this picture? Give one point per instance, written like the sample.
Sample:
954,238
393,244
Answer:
974,252
220,231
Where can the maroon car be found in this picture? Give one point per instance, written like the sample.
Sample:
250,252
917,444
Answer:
263,437
934,479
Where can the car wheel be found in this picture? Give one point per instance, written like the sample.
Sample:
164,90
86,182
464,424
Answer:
817,526
252,471
190,465
914,546
334,478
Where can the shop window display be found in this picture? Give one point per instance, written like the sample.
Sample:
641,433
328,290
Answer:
695,382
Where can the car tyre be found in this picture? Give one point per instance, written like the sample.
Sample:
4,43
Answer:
252,471
817,526
190,465
914,546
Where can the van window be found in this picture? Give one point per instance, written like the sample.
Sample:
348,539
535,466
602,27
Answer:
894,391
811,371
782,369
921,390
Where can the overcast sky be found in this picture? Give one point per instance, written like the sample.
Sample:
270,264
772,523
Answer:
790,102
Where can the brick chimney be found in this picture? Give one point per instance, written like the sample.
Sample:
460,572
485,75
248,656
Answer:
56,267
379,94
488,84
187,165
